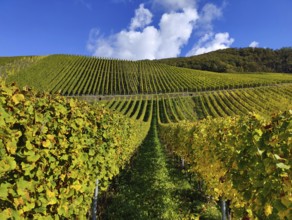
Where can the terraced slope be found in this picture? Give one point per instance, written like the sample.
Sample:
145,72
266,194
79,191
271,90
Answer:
221,103
79,75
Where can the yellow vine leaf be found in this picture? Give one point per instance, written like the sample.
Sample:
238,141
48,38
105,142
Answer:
17,98
47,143
76,187
11,147
50,194
53,201
216,190
268,209
72,103
50,137
18,201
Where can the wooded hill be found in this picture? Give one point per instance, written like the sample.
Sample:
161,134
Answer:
238,60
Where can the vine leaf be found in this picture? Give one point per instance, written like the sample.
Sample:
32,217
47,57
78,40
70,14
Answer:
17,98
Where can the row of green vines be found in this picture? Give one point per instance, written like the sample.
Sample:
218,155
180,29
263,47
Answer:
52,150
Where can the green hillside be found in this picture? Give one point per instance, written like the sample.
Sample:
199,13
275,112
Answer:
79,75
238,60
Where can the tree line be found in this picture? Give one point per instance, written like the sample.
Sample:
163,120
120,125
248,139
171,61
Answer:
238,60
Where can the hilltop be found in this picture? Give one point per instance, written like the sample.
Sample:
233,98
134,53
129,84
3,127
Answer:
238,60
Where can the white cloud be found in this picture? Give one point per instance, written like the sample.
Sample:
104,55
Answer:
174,5
142,40
211,42
175,31
254,44
209,13
148,42
142,18
135,45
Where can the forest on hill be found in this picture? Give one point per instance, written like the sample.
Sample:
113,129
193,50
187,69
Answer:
238,60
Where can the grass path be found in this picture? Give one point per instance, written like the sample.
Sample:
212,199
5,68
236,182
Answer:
145,191
153,187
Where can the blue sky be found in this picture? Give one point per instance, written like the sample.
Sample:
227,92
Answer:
137,29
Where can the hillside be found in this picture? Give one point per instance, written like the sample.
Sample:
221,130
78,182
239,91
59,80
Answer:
238,60
80,75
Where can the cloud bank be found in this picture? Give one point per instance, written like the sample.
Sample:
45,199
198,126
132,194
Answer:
143,40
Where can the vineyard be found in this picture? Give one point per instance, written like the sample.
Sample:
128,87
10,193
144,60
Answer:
79,75
164,142
221,103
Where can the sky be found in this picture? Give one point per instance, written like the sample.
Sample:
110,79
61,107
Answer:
141,29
